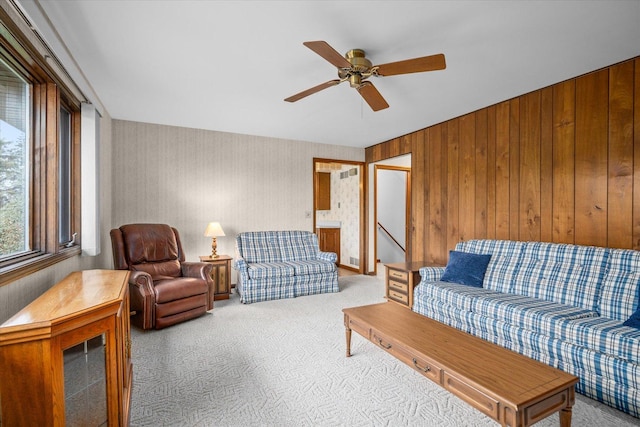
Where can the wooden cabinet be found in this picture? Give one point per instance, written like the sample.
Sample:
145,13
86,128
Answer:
221,275
323,191
44,382
401,278
329,240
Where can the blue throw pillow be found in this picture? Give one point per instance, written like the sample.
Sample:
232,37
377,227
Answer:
634,320
466,268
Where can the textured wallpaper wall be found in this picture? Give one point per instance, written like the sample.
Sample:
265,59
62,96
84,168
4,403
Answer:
189,177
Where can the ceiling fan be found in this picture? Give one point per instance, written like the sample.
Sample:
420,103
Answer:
355,68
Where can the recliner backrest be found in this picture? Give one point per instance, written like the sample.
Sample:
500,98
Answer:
152,248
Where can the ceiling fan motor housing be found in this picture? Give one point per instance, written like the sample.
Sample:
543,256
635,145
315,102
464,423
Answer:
359,66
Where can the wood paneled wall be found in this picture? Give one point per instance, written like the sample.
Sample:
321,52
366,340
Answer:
561,164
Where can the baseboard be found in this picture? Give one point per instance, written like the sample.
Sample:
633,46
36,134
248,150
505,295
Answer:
347,267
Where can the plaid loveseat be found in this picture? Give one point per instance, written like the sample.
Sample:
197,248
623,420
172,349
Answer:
282,264
563,305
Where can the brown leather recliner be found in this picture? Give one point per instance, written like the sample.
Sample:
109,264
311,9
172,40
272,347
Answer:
164,289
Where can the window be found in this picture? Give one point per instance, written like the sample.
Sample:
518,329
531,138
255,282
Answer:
64,178
14,162
39,162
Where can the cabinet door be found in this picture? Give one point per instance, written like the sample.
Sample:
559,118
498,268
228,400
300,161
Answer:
329,240
220,274
323,191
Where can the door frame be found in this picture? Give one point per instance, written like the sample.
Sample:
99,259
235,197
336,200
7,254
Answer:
362,182
407,219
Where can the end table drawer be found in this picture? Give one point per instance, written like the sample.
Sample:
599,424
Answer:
397,274
398,286
397,296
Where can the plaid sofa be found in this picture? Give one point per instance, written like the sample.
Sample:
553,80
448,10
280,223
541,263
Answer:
282,264
563,305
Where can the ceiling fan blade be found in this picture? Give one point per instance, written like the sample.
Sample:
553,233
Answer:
416,65
370,94
312,90
323,49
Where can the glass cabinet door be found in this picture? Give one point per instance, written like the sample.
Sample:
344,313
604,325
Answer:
85,383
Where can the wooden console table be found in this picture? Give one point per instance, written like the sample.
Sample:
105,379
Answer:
511,388
39,349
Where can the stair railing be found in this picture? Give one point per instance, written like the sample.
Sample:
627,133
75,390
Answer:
380,226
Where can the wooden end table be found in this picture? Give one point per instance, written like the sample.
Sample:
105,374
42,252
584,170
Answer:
221,275
511,388
401,278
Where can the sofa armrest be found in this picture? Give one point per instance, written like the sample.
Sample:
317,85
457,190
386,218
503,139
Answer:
199,270
431,274
328,256
240,264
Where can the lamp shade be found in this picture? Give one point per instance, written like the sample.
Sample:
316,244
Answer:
214,230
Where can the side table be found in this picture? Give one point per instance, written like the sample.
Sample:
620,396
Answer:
221,275
401,278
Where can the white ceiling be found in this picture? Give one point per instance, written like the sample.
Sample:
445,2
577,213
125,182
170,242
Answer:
228,65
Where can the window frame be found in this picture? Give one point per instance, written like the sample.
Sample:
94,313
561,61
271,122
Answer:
48,95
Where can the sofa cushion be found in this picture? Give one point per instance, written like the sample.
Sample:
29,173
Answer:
620,287
597,334
505,258
259,246
301,268
566,274
603,335
562,354
466,268
297,245
520,310
263,270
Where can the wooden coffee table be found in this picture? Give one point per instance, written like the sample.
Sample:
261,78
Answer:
509,387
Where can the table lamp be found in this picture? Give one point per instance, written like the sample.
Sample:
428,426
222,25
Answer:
214,230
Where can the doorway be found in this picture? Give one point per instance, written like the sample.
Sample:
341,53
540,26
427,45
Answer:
390,209
338,210
392,185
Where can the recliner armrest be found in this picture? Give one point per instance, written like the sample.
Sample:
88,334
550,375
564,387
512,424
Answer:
142,298
142,280
199,270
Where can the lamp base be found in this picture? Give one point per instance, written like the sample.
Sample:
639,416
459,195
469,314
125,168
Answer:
214,247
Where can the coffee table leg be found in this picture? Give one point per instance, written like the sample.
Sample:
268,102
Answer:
347,331
565,417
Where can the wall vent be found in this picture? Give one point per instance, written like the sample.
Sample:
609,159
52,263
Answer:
354,261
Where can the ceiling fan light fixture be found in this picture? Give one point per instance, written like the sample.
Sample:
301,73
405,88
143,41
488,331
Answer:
355,80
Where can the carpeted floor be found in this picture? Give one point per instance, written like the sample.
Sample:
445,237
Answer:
282,363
